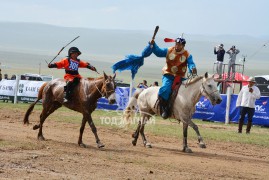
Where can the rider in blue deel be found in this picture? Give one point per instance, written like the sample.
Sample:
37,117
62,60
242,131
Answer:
177,61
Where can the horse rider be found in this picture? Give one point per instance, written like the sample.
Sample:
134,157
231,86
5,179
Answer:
177,61
71,64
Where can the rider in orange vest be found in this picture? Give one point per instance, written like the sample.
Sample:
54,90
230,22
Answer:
71,65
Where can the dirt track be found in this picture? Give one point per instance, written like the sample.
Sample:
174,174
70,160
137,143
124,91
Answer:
59,157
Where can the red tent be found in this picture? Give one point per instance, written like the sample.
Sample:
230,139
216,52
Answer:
238,77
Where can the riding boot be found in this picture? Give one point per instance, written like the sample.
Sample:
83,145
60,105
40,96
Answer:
67,91
164,108
167,110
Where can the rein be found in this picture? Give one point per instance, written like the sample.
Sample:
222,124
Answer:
98,88
190,76
102,94
209,94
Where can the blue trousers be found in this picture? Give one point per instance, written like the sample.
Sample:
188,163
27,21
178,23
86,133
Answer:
166,89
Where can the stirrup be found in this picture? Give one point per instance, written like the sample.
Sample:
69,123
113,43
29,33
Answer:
165,115
65,99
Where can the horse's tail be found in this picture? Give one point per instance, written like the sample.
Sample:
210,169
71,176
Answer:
130,109
30,109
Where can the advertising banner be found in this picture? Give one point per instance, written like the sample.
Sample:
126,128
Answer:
28,90
7,89
206,111
261,115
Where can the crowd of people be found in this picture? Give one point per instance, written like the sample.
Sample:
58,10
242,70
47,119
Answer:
144,84
13,77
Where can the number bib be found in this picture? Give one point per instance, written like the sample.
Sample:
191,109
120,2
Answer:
73,65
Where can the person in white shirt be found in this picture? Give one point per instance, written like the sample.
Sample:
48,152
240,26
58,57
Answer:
246,100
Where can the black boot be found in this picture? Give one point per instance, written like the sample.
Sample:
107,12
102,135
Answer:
67,91
165,113
164,108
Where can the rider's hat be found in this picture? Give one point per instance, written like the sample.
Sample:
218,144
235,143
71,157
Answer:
181,41
251,79
73,50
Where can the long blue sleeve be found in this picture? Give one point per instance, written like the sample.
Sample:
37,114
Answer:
159,52
190,63
132,62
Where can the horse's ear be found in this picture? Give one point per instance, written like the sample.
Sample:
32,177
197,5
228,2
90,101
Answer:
105,76
206,75
114,76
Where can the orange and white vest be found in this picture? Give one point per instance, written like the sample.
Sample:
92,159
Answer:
176,62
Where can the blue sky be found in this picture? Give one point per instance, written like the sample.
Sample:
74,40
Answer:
207,17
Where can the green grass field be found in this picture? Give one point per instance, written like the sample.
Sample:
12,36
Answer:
168,128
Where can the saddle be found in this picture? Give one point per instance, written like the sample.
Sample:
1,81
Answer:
69,88
170,103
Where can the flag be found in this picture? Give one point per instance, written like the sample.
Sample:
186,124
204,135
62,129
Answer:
132,62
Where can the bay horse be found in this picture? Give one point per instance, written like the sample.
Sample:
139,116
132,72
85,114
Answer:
84,100
183,109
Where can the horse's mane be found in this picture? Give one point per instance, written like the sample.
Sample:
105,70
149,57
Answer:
90,78
194,80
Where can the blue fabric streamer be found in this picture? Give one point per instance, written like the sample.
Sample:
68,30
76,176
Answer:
132,62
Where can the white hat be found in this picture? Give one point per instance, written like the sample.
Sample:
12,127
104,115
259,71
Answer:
251,79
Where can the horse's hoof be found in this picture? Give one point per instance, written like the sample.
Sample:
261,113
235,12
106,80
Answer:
148,145
202,145
187,150
41,138
134,142
83,145
35,127
100,145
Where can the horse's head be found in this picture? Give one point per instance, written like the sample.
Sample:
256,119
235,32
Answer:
109,87
210,91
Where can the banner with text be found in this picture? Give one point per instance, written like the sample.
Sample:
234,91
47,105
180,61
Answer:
7,89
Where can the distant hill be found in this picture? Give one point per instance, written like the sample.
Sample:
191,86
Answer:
24,45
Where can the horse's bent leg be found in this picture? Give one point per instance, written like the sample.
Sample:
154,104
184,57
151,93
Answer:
45,113
200,139
185,135
82,127
135,135
94,130
145,118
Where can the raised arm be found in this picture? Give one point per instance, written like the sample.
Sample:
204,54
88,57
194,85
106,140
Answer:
159,52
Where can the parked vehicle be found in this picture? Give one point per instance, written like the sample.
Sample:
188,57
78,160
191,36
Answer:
36,77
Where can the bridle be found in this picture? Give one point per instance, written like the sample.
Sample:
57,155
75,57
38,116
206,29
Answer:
104,94
204,90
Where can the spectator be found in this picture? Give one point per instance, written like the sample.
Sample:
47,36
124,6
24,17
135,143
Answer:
246,101
13,77
155,84
0,75
232,52
143,85
220,52
5,76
